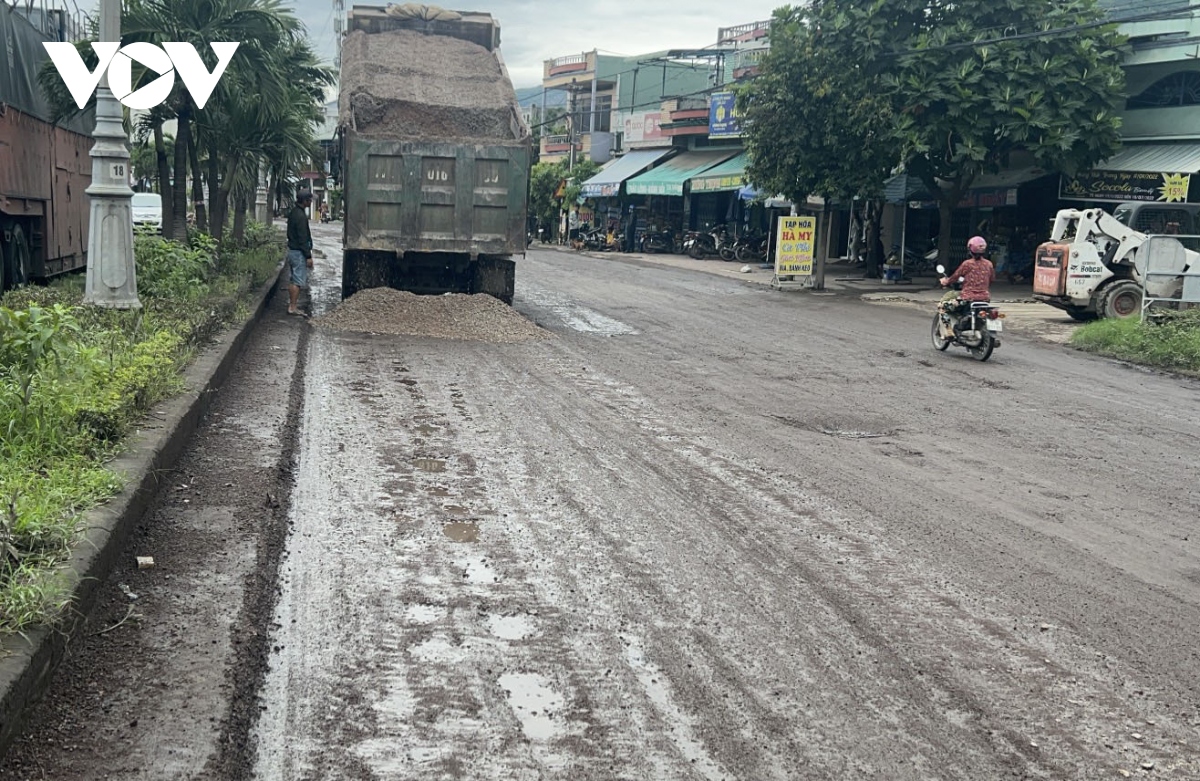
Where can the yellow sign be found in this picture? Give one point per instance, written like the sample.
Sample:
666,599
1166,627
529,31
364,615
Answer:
1175,187
794,246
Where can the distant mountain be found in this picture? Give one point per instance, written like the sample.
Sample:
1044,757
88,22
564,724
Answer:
530,96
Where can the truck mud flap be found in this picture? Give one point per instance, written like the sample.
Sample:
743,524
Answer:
495,276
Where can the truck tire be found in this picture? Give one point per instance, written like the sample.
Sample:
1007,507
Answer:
15,260
1121,299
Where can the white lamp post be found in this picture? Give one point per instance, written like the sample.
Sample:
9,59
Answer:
111,274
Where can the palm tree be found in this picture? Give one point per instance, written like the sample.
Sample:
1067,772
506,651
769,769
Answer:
258,25
258,121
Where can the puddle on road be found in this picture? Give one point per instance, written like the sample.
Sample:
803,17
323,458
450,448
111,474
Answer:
438,490
439,650
461,531
536,705
424,614
430,464
478,571
516,627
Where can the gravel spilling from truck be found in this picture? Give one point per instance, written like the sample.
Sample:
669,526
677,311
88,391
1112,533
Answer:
475,318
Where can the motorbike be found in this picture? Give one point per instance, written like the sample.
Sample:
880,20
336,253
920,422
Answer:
751,248
716,241
974,325
699,245
658,241
726,244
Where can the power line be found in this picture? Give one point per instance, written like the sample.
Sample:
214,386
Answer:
658,102
1051,33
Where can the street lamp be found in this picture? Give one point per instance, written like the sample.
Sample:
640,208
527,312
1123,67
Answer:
111,274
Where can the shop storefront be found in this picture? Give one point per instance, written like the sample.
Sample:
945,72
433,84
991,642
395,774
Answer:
672,181
1012,210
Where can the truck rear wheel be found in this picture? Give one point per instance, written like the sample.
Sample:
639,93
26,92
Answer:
15,259
1122,298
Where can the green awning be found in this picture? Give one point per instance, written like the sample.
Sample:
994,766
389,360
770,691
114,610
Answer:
729,175
670,177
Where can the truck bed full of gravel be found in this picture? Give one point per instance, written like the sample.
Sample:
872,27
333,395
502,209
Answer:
475,318
406,84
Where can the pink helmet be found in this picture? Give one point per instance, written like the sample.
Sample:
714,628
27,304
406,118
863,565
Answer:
977,245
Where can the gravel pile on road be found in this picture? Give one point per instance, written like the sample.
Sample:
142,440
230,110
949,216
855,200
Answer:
474,318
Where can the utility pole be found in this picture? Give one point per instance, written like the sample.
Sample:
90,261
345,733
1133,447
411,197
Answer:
571,116
111,272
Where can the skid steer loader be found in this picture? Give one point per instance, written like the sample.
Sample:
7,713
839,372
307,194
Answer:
1094,265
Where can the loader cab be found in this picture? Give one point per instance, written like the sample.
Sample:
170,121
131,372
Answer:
1160,218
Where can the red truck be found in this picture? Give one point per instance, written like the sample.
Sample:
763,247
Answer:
44,168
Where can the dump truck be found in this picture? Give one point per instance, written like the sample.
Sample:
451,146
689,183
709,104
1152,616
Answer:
45,168
432,151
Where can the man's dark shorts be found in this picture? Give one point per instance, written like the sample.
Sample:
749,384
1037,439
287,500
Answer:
299,267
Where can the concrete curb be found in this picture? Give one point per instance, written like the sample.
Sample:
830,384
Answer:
28,662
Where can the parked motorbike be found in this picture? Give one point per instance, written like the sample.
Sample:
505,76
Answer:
699,245
751,248
658,241
974,325
725,243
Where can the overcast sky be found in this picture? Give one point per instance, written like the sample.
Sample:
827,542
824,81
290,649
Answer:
535,30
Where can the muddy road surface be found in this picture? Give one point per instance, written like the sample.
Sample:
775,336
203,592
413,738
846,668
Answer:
703,531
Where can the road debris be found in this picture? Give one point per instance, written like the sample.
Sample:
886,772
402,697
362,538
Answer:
476,318
145,562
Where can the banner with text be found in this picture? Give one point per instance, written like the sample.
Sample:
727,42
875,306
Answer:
641,127
722,115
794,246
1117,186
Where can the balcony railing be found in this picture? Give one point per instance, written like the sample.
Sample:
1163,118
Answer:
570,59
726,34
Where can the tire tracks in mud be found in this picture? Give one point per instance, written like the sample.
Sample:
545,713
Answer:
252,635
980,655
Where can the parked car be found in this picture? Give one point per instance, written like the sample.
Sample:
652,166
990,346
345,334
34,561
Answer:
147,211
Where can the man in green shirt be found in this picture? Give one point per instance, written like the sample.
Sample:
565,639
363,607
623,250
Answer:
299,253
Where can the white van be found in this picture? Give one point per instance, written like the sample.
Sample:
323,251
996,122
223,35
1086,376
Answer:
147,211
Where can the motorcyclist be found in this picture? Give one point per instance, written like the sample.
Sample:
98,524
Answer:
977,274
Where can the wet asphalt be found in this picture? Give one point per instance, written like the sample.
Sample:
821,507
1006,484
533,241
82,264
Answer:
709,531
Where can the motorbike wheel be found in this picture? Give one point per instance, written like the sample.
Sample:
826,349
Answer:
727,254
985,348
696,251
939,343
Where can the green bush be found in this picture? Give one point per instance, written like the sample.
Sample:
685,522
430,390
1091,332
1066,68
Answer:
1170,340
169,269
75,379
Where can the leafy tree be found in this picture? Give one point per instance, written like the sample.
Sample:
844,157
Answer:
959,87
143,158
814,125
583,170
544,181
262,114
812,128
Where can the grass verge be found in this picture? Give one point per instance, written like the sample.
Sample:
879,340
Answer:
75,379
1170,341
